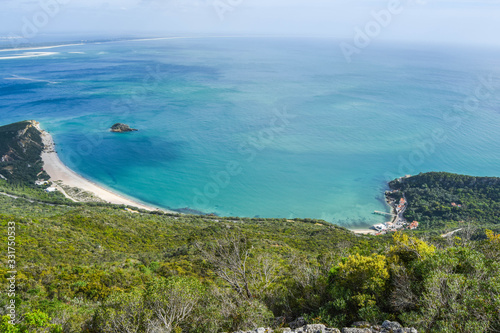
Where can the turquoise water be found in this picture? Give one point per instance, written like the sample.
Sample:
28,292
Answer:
261,127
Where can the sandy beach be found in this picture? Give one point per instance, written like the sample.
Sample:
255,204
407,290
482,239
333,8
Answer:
363,231
60,172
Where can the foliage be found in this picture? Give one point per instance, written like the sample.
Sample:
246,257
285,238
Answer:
363,274
35,321
431,197
20,149
460,290
357,285
93,267
83,262
407,249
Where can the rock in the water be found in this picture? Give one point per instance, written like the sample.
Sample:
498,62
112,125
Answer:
120,128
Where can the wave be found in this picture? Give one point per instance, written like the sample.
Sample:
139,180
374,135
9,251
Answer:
112,41
16,77
39,47
28,55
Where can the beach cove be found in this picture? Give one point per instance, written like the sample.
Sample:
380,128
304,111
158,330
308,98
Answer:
59,172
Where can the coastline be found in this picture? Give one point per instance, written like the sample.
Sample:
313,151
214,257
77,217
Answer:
58,171
363,231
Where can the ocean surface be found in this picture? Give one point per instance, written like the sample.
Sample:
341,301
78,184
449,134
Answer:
269,127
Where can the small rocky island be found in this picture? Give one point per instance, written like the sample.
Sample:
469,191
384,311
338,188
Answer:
121,128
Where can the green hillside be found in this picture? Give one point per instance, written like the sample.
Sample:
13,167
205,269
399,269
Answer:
442,200
20,149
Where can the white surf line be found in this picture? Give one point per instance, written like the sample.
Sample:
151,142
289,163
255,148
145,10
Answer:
29,55
123,40
190,37
17,77
39,48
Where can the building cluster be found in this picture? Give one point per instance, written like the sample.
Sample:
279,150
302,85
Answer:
49,189
386,227
399,222
401,205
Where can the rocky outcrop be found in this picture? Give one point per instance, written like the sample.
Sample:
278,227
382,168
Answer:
121,128
20,151
362,327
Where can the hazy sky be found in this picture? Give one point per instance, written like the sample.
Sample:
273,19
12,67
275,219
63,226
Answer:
467,21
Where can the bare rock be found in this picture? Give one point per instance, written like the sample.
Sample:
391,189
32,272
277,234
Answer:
121,128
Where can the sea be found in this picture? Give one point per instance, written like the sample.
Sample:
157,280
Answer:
259,126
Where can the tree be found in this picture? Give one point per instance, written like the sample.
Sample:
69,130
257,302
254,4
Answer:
364,274
122,313
408,249
229,257
459,292
357,286
171,301
36,321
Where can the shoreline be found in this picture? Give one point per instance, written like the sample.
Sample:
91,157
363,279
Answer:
58,171
363,231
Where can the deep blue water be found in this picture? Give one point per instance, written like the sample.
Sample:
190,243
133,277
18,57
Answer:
261,127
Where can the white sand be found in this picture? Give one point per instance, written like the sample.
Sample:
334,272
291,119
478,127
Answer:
60,172
364,231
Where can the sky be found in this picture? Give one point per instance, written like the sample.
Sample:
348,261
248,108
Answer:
452,21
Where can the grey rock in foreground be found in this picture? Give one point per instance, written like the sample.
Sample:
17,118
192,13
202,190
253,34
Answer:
387,327
120,128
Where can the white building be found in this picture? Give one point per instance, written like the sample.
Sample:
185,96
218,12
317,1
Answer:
379,227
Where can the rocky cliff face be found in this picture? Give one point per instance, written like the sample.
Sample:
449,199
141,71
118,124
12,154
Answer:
20,151
121,128
361,327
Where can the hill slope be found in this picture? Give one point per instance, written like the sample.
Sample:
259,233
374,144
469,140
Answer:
440,199
20,149
100,268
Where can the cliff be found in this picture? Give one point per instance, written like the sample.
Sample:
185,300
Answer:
20,152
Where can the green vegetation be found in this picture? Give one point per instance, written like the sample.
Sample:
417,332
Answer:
94,267
20,149
440,200
84,268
